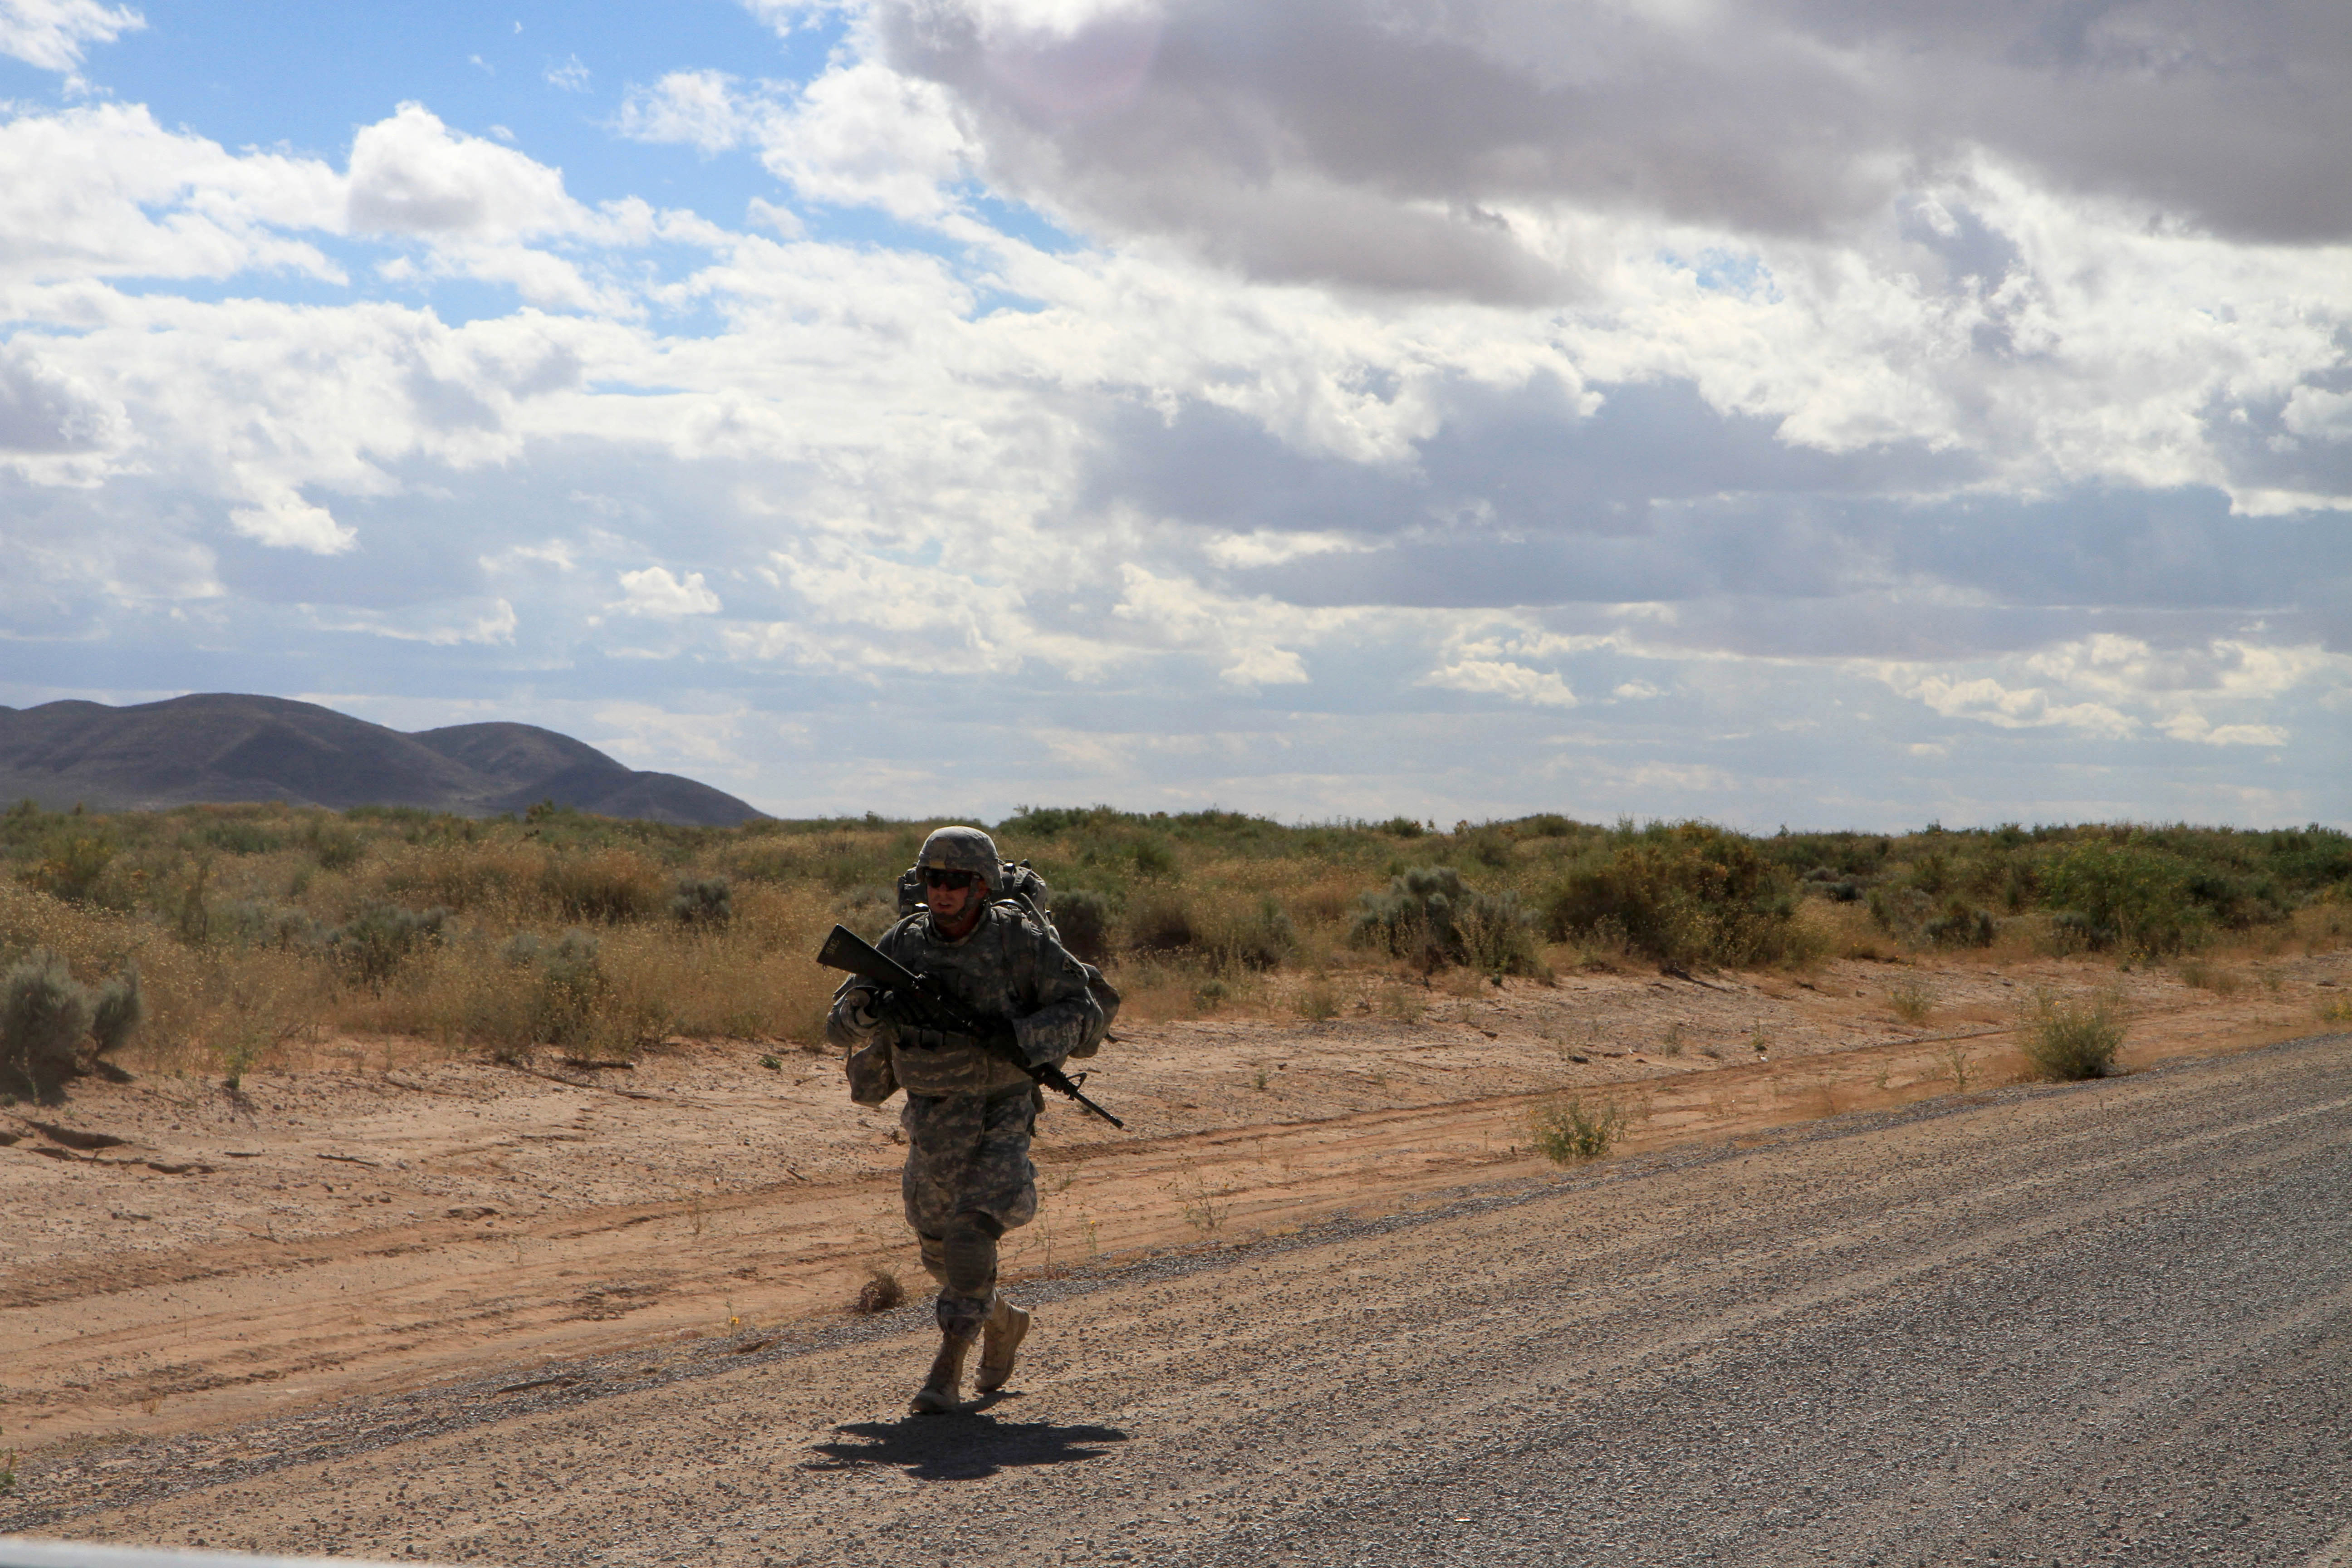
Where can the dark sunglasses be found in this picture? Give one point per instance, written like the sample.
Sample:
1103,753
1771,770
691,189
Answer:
933,877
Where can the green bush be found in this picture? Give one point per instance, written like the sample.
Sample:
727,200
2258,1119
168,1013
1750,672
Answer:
1959,926
1487,847
1261,940
1429,916
250,922
1082,921
73,865
1683,895
2068,1041
1566,1131
568,985
1151,859
117,1010
44,1015
335,846
375,943
1160,922
239,838
2127,895
1830,884
705,902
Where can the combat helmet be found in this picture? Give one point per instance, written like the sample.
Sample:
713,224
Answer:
962,849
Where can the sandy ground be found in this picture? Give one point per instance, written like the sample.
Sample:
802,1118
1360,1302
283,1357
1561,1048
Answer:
2083,1323
184,1256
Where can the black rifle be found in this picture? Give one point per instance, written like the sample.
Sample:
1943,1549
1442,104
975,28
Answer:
844,949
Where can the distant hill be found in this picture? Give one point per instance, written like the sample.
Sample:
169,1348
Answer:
221,747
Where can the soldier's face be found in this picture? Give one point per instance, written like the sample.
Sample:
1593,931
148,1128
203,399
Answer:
951,904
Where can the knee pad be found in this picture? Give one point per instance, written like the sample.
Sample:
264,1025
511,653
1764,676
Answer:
968,1256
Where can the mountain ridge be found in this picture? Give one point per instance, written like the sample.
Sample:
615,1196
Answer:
225,747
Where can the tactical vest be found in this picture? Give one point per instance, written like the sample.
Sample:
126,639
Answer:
1022,887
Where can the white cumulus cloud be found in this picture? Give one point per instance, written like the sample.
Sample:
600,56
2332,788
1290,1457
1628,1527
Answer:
290,523
699,109
412,174
653,592
1501,678
864,135
52,34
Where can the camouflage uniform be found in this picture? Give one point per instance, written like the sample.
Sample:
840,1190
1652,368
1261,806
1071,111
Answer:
969,1114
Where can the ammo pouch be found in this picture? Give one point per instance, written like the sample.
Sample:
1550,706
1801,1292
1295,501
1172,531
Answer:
913,1038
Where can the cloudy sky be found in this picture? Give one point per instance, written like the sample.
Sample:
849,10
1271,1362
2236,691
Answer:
1814,412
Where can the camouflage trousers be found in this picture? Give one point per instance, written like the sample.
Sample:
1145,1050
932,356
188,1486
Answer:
968,1181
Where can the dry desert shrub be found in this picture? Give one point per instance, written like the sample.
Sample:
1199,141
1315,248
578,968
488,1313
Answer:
1429,918
271,933
1568,1132
2067,1041
459,877
607,885
1326,900
2205,975
880,1293
1912,999
1239,933
1160,922
1317,1000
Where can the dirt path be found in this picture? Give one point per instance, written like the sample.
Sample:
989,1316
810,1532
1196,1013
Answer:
184,1256
2109,1321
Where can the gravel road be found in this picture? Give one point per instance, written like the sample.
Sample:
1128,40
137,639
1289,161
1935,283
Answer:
2104,1323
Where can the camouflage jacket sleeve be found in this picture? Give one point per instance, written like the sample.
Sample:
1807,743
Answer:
852,1025
1067,1016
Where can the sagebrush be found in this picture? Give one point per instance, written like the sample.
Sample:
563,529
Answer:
252,927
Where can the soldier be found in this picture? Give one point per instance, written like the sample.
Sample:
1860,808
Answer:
969,1113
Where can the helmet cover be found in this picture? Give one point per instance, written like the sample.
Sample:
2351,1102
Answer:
964,849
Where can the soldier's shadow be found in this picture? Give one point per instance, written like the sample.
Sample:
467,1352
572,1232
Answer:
962,1448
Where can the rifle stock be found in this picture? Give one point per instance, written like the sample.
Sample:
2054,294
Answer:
844,950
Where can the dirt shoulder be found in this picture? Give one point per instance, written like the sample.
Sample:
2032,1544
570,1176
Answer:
2086,1322
185,1256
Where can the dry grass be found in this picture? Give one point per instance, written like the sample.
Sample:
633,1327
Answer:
267,935
2206,974
1317,1000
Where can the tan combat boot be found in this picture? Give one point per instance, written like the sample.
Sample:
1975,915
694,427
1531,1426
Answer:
938,1395
1008,1325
